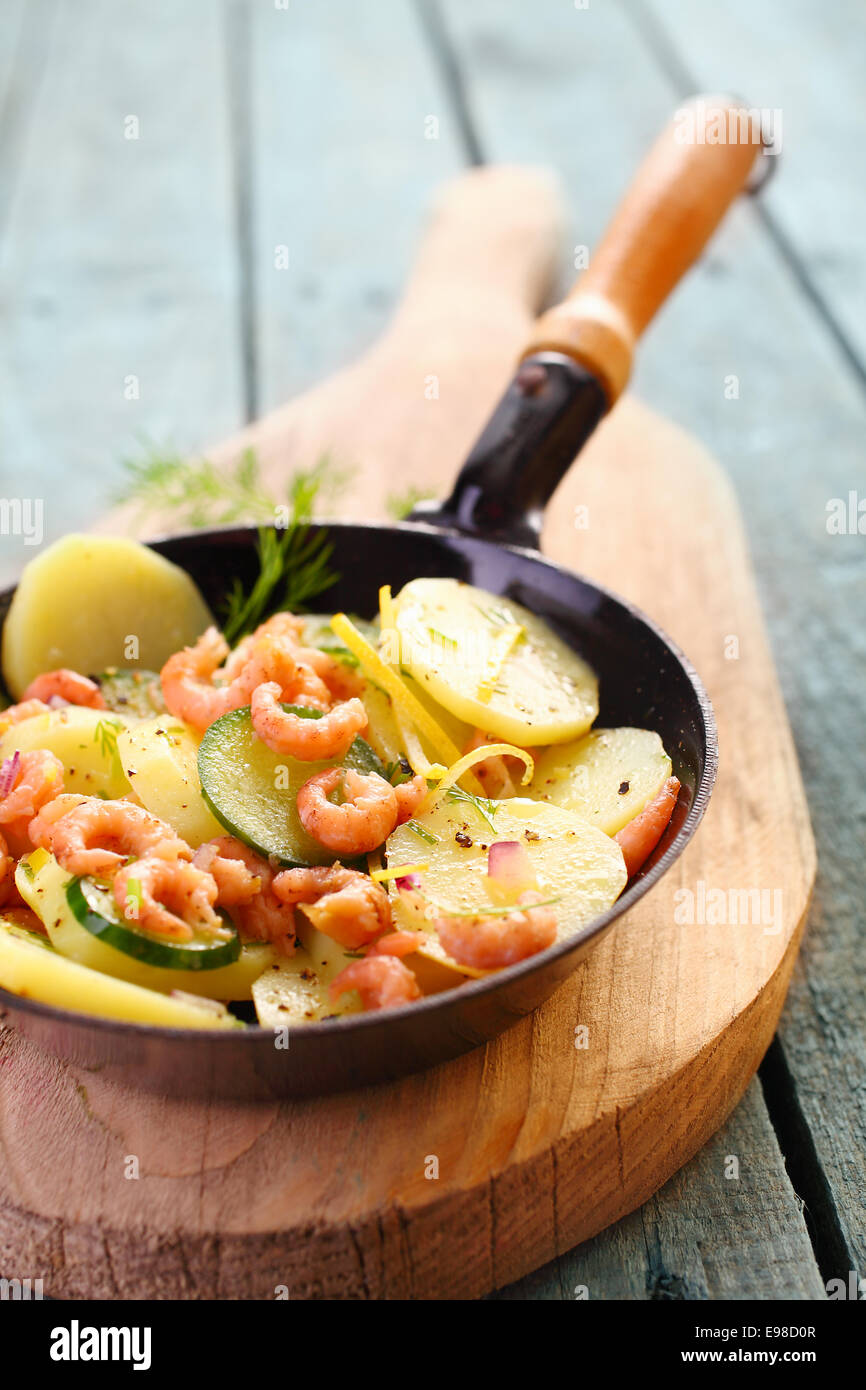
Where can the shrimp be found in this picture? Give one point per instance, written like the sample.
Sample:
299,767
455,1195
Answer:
187,682
17,915
494,774
342,682
273,660
245,887
287,627
343,903
36,778
66,686
97,837
490,941
639,837
172,899
362,820
7,873
394,943
25,709
383,982
409,797
308,740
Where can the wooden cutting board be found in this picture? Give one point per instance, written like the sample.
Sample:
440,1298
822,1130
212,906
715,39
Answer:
464,1178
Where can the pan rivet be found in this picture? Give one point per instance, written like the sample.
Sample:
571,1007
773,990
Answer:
531,378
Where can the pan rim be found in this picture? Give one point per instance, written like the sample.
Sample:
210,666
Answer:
255,1035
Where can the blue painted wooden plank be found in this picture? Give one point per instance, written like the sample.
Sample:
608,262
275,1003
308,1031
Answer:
351,131
726,1227
804,64
118,284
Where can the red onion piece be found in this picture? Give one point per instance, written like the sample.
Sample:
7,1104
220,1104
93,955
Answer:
8,773
508,864
408,883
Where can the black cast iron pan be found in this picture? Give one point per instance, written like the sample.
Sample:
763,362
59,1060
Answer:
486,534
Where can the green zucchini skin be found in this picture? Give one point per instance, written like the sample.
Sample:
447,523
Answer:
83,895
252,790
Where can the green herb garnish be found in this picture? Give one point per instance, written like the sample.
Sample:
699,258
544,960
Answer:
293,565
486,808
105,734
422,832
399,504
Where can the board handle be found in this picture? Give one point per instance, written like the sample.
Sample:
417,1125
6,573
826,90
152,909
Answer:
681,192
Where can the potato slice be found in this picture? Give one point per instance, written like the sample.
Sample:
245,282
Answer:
295,990
160,759
42,884
35,971
85,741
608,776
83,601
573,862
493,664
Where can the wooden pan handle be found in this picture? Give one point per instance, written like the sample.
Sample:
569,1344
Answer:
680,194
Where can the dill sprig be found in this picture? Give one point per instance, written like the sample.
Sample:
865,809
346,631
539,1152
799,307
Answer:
293,559
105,734
199,494
399,504
293,565
484,806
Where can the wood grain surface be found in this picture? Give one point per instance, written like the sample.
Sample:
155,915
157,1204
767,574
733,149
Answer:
537,1143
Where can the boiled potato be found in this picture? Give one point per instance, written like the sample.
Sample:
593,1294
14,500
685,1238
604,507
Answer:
160,758
34,971
85,741
295,990
573,862
608,776
493,664
91,602
42,884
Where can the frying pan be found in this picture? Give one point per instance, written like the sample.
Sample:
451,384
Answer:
486,533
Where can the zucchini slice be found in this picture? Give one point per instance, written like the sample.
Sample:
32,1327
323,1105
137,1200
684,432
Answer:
94,907
253,791
43,884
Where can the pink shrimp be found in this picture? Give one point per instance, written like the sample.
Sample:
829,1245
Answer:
245,886
491,941
273,660
383,982
409,797
394,943
363,818
639,837
37,778
343,903
25,709
97,837
19,916
309,740
66,686
342,682
495,774
7,873
187,682
171,899
287,627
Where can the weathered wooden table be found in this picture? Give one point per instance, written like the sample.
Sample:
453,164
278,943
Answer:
150,163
